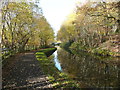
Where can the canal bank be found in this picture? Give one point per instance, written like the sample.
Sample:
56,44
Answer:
52,69
80,70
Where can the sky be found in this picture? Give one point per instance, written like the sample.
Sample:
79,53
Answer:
55,11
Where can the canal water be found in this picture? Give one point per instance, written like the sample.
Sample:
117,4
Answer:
92,71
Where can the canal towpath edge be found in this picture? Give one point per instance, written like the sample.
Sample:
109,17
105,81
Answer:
24,72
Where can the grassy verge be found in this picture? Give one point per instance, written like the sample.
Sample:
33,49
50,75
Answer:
55,77
97,51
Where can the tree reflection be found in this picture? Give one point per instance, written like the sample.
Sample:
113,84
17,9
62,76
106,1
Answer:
88,69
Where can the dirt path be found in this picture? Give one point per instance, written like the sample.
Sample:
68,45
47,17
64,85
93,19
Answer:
24,72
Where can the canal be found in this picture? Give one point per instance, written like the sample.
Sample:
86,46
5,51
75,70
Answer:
89,70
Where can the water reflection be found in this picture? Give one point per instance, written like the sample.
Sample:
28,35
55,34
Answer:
56,61
87,69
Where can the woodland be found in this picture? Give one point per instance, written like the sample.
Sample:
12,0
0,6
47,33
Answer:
84,54
93,27
23,25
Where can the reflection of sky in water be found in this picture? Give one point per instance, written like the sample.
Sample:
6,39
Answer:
57,64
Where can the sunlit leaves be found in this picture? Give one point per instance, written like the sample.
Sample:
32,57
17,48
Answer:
92,23
22,25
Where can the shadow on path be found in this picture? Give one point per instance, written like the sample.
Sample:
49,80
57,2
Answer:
25,74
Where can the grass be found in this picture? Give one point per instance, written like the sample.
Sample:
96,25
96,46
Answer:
56,78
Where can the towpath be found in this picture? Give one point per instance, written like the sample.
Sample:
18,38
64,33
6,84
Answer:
24,72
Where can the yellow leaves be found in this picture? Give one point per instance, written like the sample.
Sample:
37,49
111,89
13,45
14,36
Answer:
88,20
11,6
42,31
25,23
67,28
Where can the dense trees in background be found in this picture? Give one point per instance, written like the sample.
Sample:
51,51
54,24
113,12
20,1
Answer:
24,24
95,25
67,30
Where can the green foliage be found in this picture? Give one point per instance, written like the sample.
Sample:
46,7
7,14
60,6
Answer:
22,26
66,45
67,30
93,25
103,52
56,78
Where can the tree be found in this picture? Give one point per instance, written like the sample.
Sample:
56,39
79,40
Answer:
22,24
94,24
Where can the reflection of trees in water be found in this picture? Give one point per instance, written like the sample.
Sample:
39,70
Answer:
85,68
